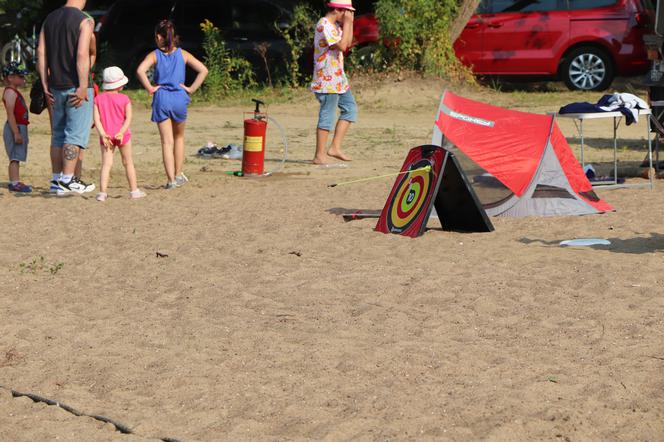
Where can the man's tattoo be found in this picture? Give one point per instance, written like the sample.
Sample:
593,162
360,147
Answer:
71,152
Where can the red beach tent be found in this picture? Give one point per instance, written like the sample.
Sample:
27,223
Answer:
519,163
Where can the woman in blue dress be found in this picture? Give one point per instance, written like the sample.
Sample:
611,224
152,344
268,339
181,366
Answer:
170,96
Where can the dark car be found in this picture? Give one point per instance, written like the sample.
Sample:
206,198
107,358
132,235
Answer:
127,31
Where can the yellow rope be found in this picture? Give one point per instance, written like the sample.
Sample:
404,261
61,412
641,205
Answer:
425,168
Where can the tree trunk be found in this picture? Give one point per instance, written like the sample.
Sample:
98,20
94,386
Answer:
466,10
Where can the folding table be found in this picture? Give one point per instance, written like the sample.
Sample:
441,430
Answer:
579,118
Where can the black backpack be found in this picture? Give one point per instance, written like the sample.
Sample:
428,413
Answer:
37,98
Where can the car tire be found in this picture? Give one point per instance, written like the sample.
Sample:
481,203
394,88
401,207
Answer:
587,68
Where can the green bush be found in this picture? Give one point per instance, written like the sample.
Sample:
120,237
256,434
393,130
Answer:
227,73
298,35
417,37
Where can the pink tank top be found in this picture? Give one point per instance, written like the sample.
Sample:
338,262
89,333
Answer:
112,114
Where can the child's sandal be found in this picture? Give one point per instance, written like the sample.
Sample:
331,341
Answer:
102,196
136,194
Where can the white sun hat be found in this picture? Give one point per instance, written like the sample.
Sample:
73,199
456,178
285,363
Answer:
114,78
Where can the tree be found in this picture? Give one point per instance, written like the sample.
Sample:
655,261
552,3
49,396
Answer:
465,10
417,34
22,12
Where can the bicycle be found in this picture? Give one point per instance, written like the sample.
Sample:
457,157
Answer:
22,50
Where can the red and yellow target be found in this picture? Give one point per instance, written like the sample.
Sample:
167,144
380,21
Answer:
411,195
431,176
410,202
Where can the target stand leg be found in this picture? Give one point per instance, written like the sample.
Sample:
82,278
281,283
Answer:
457,204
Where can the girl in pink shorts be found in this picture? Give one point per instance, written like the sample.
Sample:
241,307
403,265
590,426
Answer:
112,113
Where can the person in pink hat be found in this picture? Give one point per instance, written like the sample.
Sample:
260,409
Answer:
333,36
112,114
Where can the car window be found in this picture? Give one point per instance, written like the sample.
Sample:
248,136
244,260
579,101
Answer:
590,4
191,13
483,7
497,6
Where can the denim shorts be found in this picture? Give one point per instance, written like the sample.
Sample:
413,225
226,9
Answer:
328,109
71,125
16,152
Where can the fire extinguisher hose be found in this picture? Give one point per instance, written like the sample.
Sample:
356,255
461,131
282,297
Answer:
284,141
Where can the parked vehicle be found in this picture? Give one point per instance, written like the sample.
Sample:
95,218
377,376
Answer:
585,43
365,30
127,31
654,78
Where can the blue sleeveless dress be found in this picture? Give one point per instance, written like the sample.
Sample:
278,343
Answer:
170,100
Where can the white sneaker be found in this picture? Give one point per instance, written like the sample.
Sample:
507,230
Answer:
86,187
76,186
54,188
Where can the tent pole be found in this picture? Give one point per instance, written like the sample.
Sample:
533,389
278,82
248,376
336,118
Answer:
615,149
650,171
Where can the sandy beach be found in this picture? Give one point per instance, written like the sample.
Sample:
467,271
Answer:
247,309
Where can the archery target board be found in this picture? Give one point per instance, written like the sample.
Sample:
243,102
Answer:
410,201
431,176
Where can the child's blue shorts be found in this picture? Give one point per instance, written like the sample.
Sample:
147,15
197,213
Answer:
16,152
170,104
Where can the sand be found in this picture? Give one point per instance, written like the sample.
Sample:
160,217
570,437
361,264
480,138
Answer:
246,309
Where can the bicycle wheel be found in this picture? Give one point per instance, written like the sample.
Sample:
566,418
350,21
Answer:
9,53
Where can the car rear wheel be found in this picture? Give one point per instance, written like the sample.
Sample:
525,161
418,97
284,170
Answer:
587,68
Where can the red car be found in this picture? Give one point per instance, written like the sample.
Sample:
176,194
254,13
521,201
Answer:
365,30
585,43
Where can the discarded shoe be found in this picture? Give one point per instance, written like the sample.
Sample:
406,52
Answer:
223,152
234,152
210,149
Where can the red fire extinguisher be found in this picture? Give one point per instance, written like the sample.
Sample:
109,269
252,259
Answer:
253,151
